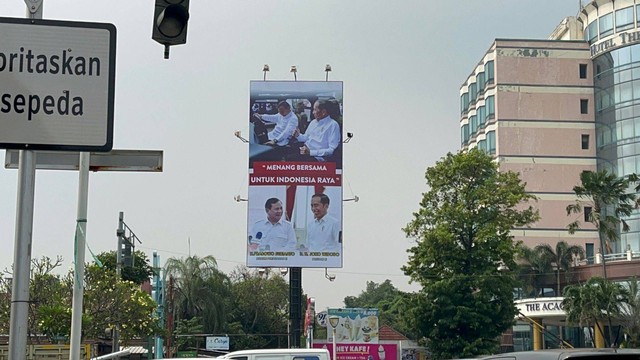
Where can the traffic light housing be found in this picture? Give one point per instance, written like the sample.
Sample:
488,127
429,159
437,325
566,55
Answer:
170,23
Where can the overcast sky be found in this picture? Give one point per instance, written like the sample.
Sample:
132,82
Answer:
402,63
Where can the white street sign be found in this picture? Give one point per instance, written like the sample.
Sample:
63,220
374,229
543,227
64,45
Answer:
57,81
217,343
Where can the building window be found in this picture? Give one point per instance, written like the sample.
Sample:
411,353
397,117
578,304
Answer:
584,106
491,142
482,116
481,82
585,141
482,145
587,214
592,31
465,134
473,92
489,103
624,18
606,25
589,253
474,124
583,71
464,103
488,70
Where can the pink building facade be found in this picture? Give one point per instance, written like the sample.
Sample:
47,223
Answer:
535,114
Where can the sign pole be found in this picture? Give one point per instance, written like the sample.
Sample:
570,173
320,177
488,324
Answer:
22,247
22,256
80,240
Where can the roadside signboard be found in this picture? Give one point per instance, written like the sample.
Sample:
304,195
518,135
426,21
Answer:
217,343
57,84
355,326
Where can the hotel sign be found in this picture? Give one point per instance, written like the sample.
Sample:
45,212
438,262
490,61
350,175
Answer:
541,307
623,39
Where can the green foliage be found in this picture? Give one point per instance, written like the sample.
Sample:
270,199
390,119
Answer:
561,257
259,309
533,269
139,273
110,303
594,302
630,315
610,200
55,321
200,290
463,236
185,328
389,300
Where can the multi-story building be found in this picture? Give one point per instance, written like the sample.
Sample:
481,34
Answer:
549,110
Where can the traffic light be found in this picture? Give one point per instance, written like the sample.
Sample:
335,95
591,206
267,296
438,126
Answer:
170,23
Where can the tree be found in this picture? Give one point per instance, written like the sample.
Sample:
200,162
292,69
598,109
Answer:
532,270
259,309
630,315
388,299
200,290
610,201
593,302
110,302
463,236
139,273
561,257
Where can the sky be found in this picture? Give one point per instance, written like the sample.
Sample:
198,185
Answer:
402,63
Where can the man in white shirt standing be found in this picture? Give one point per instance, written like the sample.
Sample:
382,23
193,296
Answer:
273,233
286,122
322,137
323,232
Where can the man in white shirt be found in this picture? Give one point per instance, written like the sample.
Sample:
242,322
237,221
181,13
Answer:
273,233
323,232
322,137
286,122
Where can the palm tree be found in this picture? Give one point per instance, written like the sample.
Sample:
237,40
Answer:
630,314
596,300
200,290
532,269
610,203
561,257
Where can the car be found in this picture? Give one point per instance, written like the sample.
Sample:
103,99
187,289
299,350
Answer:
562,354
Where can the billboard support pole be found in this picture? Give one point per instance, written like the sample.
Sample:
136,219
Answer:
295,306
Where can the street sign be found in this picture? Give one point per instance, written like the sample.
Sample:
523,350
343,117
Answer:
57,83
217,343
114,160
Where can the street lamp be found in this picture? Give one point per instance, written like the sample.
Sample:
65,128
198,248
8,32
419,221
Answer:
333,321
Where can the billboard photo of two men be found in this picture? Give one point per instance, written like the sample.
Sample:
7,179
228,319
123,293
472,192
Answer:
295,174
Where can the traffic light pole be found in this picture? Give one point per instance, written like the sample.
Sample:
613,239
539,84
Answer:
115,345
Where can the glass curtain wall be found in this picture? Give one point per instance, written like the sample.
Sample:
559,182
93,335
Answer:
617,105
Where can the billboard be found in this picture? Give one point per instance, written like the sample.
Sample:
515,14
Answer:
295,174
355,326
362,351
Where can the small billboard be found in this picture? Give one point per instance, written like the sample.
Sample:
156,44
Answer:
354,326
295,174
